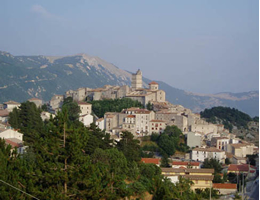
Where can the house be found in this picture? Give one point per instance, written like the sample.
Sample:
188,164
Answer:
220,143
179,164
193,139
56,102
155,161
200,154
86,119
46,115
85,108
157,126
225,188
100,123
137,120
38,102
110,120
15,143
10,105
4,115
241,149
243,168
202,178
10,133
238,160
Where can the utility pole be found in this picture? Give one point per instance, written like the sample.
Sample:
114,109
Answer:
242,186
210,190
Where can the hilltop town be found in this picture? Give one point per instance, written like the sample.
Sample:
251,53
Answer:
205,140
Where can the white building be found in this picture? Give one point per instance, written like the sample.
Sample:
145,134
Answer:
46,115
10,133
100,123
200,154
220,143
10,105
86,119
85,108
4,115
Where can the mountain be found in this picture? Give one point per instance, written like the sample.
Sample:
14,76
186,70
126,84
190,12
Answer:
24,77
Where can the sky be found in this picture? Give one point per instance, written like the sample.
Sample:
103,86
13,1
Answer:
199,46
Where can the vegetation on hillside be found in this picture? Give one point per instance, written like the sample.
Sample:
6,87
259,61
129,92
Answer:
66,160
229,117
113,105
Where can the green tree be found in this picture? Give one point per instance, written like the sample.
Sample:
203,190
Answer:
72,108
129,146
165,161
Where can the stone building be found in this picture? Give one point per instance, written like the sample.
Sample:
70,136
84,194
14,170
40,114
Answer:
38,102
85,108
56,102
10,105
200,154
193,139
137,81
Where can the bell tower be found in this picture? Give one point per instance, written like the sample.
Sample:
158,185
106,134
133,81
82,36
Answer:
137,81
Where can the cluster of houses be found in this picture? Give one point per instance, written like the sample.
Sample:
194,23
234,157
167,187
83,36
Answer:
202,178
206,140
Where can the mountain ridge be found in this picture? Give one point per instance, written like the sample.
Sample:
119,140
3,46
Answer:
24,77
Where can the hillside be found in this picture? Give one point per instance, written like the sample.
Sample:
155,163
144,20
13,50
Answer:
236,121
24,77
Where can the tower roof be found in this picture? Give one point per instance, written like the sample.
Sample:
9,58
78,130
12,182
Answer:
153,83
139,72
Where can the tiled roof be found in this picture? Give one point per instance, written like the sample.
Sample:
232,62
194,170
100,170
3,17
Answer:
187,170
12,102
211,149
199,177
155,120
153,83
4,113
130,116
34,99
220,138
100,119
225,185
151,160
13,144
83,103
185,163
239,168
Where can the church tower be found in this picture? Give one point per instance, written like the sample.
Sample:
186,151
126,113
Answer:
137,81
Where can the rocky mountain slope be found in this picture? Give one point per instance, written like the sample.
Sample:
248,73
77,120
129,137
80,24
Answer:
23,77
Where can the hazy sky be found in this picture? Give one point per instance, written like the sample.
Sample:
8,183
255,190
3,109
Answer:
196,45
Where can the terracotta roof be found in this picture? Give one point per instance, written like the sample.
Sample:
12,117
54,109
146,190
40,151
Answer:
239,145
130,116
4,113
151,160
34,99
220,138
12,102
83,103
13,144
204,170
211,149
155,120
110,116
185,163
187,170
238,168
100,119
153,83
225,185
199,177
252,171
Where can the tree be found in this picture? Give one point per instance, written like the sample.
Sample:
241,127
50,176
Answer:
227,161
72,108
165,161
166,144
149,106
129,146
212,163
